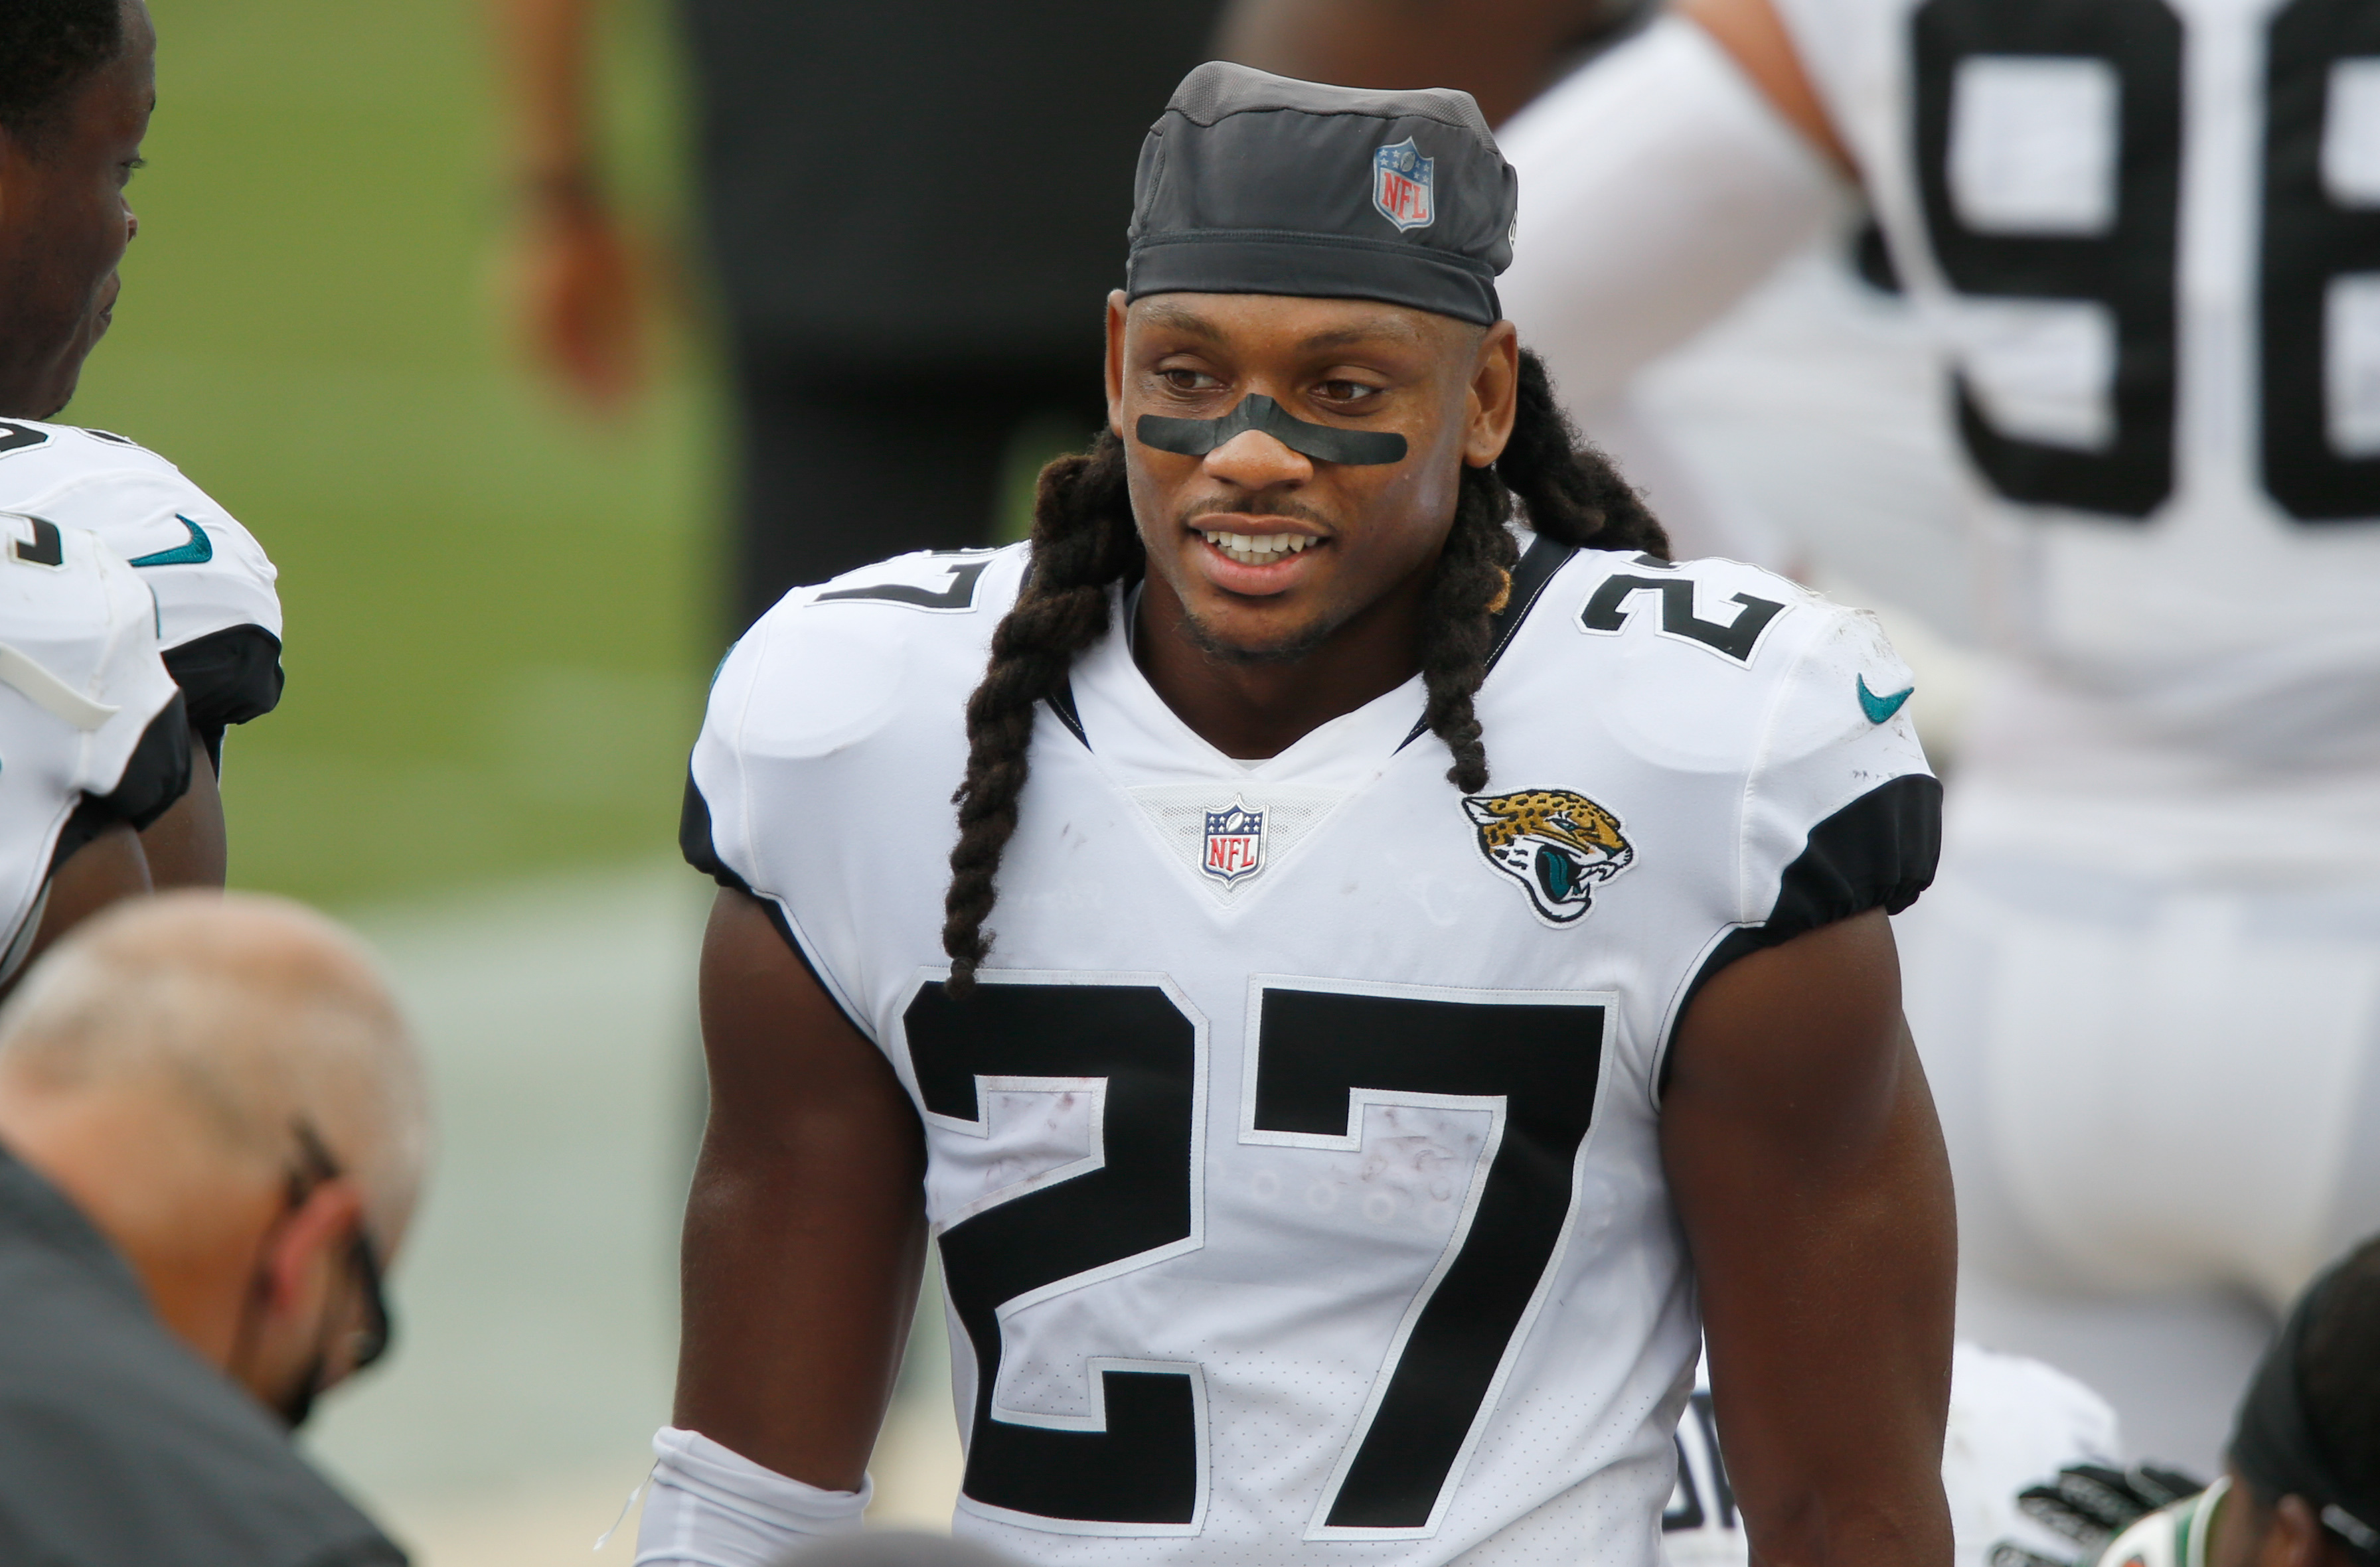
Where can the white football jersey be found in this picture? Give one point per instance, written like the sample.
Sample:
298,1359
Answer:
2148,234
218,617
1294,1169
82,692
2014,1422
2171,1537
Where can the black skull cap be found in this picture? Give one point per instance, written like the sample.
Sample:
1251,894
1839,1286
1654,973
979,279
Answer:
1251,183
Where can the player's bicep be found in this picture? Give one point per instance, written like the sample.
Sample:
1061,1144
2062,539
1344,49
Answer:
1808,1172
187,847
109,866
805,1224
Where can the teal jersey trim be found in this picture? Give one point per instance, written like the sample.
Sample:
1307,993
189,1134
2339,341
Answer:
1877,708
201,549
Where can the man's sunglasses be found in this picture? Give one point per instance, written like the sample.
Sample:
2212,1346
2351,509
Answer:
379,1329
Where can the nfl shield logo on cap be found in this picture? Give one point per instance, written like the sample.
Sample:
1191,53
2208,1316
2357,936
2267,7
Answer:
1401,185
1234,842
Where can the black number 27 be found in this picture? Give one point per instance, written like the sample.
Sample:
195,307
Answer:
1321,1055
2307,241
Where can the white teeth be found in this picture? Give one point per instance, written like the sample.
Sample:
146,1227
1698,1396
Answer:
1261,548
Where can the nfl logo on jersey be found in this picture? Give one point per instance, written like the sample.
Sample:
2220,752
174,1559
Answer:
1401,185
1234,842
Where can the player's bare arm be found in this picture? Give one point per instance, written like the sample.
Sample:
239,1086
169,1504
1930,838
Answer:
581,292
1501,52
1808,1170
1755,37
805,1232
109,868
1503,55
186,847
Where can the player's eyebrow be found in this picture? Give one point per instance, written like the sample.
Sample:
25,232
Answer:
1180,318
1370,329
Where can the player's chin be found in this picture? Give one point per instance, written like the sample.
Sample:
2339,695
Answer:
1265,632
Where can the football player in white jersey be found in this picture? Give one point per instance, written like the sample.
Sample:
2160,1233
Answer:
1331,1154
2145,234
2011,1421
2301,1483
94,744
76,82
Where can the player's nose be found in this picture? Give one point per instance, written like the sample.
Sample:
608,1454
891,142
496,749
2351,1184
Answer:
1255,460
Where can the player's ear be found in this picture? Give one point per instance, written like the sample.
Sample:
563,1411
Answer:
2295,1537
1115,361
1495,395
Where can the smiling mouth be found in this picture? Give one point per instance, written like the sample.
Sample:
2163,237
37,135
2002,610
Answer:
1258,549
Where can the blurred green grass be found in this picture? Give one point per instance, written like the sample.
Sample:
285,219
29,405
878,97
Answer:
498,618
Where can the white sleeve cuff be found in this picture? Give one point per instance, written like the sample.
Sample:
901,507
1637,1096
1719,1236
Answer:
710,1506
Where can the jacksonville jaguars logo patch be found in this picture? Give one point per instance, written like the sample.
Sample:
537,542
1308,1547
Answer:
1557,845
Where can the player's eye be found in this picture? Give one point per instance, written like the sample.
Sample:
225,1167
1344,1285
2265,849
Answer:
1345,391
1184,379
127,169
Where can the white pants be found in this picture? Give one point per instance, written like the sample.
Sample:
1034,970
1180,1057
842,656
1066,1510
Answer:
2162,1099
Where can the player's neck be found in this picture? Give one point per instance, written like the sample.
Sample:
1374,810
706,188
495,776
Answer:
1250,711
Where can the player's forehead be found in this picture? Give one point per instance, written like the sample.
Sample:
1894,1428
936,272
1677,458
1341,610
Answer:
116,101
1295,326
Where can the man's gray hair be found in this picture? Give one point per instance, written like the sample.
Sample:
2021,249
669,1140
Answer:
256,1013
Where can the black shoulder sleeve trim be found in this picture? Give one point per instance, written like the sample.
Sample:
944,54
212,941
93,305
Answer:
228,677
694,842
694,839
1878,852
1531,575
158,774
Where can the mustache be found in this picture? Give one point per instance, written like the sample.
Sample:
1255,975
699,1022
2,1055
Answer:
1252,506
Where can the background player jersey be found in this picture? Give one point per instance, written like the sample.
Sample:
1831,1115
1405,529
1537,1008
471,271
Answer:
2149,233
1294,1169
2013,1423
91,727
218,618
2171,1537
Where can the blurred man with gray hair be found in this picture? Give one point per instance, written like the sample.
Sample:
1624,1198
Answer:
212,1131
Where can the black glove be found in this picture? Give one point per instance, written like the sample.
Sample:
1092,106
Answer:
2091,1504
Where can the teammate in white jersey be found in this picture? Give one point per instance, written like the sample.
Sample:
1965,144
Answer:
77,81
2302,1486
1329,1156
2011,1421
94,744
2146,235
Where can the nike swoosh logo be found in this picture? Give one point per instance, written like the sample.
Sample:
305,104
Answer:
1877,708
197,552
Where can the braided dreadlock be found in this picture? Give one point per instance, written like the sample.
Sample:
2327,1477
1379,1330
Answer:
1084,539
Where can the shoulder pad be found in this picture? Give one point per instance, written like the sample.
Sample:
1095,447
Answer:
78,651
832,664
209,573
1725,608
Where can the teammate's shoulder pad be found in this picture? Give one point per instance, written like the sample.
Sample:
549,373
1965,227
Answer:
78,624
210,571
28,445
